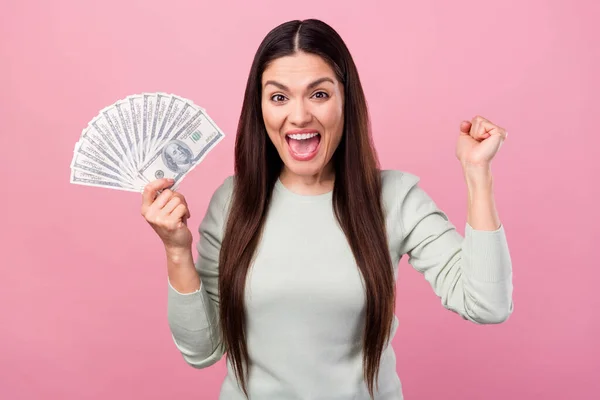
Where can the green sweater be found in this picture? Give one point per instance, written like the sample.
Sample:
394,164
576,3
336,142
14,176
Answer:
305,301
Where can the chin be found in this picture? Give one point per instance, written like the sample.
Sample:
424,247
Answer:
304,168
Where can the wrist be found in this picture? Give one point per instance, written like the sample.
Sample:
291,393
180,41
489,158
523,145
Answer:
478,176
178,255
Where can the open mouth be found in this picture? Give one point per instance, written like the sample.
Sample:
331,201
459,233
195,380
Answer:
303,146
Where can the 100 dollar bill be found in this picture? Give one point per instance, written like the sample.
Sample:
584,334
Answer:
178,155
81,177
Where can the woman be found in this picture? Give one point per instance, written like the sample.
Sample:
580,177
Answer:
298,252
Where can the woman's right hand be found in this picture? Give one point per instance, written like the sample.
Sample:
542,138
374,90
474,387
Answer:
167,213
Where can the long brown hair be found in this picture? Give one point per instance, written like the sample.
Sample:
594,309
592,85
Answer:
356,195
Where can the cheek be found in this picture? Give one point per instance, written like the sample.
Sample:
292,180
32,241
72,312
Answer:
333,121
272,121
273,137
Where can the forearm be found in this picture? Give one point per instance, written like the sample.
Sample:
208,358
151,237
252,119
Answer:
486,264
481,214
192,316
181,270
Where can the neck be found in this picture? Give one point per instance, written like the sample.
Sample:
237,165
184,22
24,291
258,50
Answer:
317,184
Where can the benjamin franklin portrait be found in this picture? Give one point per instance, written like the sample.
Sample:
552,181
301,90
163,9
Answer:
177,156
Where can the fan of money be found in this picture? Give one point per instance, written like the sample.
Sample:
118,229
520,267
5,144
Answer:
141,138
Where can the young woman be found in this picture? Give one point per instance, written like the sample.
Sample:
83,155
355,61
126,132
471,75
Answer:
298,253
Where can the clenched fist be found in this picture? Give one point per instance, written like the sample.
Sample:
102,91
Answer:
479,141
167,213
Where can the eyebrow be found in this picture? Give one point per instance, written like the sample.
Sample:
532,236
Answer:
310,86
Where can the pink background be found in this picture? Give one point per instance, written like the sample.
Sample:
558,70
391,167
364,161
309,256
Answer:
83,279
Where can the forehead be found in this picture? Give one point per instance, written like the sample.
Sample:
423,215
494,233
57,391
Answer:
299,69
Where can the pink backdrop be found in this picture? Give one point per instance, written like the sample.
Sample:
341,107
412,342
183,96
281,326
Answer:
83,280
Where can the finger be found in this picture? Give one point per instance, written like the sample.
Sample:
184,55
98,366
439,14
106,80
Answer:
478,129
179,213
151,191
173,203
490,129
188,215
184,201
162,199
475,126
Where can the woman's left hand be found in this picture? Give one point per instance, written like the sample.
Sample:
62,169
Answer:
479,141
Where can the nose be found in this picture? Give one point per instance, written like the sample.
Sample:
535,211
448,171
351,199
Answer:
299,114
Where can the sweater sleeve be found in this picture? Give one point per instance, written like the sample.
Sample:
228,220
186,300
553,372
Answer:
194,317
472,275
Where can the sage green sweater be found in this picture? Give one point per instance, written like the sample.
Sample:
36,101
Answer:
305,300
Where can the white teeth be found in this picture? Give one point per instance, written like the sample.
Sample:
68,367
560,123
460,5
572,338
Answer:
302,136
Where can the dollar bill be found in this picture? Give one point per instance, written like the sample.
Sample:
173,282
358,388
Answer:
149,100
112,122
185,112
80,177
160,110
96,146
106,145
167,121
184,150
136,105
126,124
84,163
84,150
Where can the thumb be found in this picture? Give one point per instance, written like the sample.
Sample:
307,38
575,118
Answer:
465,127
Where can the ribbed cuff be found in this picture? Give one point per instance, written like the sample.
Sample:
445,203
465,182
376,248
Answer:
486,255
183,294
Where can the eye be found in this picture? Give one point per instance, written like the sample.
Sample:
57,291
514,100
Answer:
321,95
278,98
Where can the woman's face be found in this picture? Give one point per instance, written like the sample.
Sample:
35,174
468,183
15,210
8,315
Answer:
302,106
